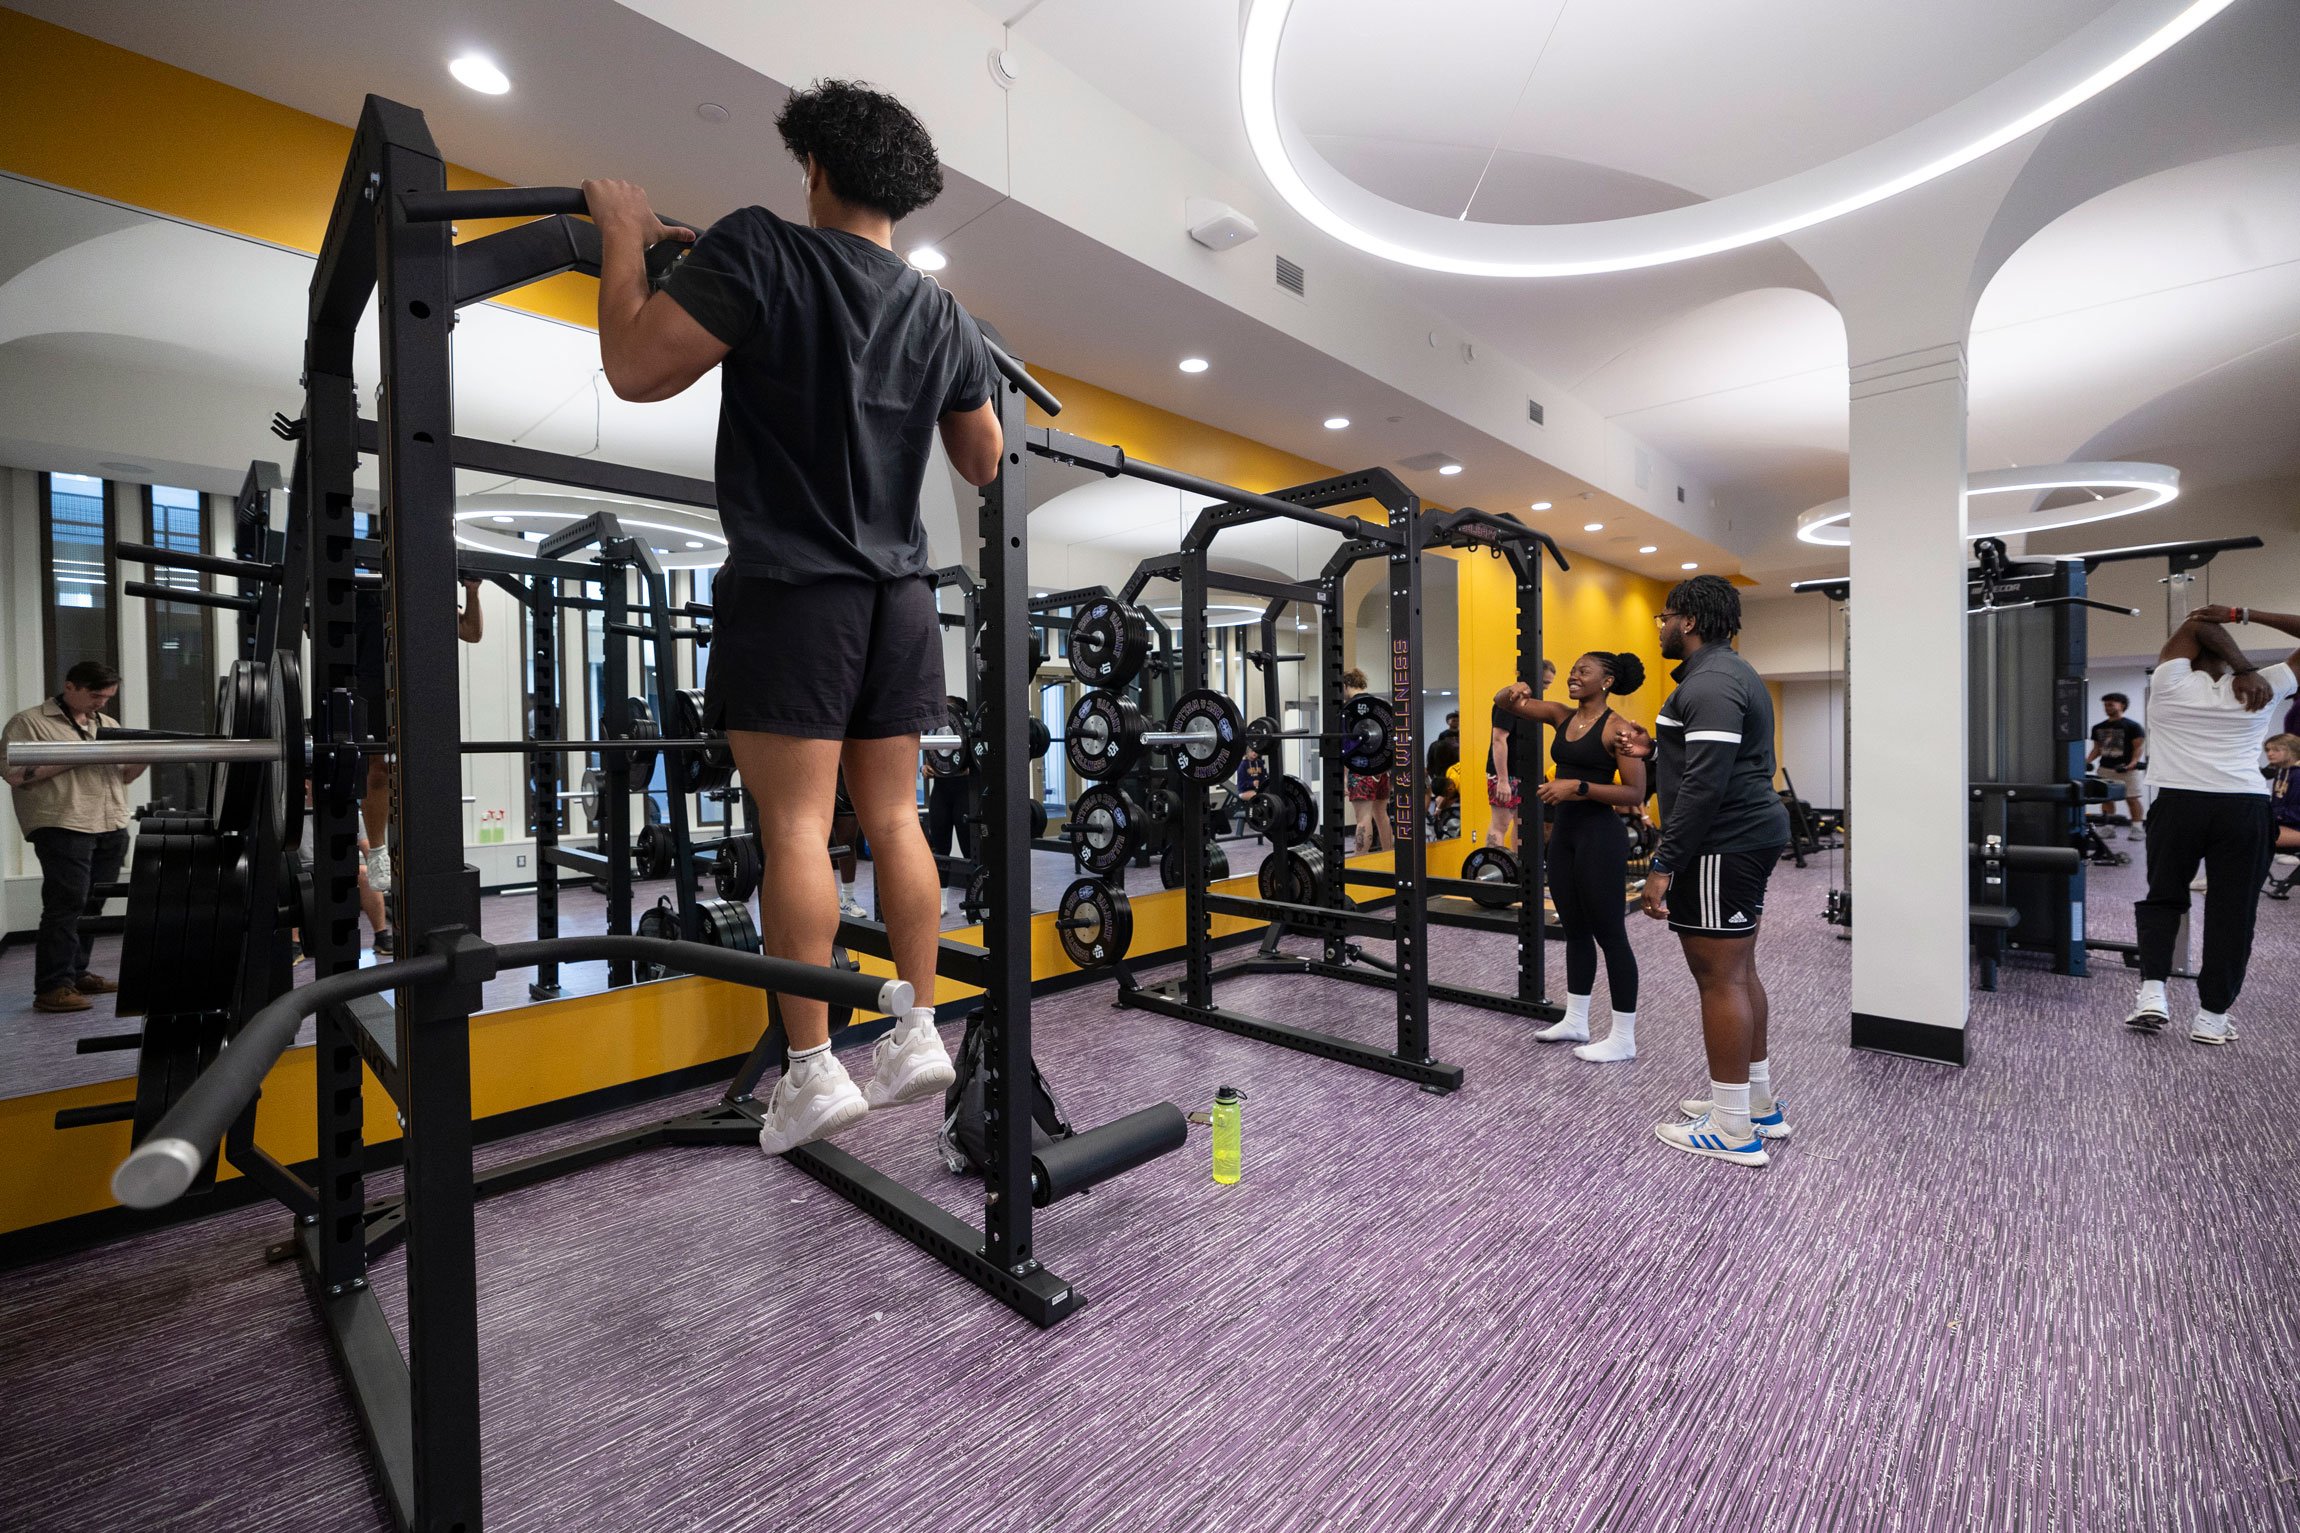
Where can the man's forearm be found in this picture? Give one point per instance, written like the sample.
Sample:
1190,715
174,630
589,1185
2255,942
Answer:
622,294
2213,640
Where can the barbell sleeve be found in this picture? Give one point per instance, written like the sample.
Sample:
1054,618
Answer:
81,753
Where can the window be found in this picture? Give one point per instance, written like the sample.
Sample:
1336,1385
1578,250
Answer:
81,621
180,644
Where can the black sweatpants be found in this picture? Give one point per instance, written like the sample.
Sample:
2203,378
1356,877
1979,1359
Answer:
946,825
71,861
1587,857
2234,836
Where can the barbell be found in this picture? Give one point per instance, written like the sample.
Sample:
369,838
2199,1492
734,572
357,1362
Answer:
1106,735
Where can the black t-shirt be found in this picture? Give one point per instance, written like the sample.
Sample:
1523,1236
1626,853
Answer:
2119,742
844,359
1524,745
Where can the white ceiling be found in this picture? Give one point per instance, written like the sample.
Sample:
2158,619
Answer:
2155,322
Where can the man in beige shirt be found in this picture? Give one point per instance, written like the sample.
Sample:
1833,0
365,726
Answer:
77,821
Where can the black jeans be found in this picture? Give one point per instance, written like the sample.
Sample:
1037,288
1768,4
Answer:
70,862
2234,836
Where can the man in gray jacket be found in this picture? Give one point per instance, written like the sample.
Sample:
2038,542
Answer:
1722,830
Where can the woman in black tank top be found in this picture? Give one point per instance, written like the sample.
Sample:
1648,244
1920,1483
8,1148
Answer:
1600,771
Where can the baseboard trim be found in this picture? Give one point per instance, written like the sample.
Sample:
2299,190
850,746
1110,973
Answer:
1911,1040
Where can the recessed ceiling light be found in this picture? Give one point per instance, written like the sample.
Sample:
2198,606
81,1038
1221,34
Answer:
2088,62
695,543
1592,526
1541,505
1689,565
927,258
1195,364
503,521
1337,423
662,550
1650,548
480,74
711,111
1449,468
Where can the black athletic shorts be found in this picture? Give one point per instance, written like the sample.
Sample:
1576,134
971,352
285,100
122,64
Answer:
1722,894
835,659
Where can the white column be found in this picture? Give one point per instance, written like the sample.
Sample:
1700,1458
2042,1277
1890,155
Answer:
1909,816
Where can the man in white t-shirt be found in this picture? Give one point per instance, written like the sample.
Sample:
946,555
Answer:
2209,709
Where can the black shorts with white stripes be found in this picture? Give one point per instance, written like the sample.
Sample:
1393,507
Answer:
1722,894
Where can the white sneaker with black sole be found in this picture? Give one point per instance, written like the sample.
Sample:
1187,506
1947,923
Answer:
813,1099
1700,1137
2208,1028
2149,1013
1772,1125
379,869
909,1062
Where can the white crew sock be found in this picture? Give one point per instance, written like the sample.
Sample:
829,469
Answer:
1618,1045
802,1057
1761,1098
2151,998
1729,1112
916,1018
1573,1027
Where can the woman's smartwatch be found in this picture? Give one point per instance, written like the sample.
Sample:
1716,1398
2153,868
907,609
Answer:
1582,789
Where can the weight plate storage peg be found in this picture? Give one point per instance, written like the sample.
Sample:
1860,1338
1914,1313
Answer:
1106,827
1096,923
1293,875
1367,724
1102,737
1109,640
1216,737
1495,870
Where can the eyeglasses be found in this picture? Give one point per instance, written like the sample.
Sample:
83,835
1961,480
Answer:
1661,619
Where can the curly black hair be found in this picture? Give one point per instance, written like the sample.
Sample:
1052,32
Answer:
1712,603
1626,671
874,149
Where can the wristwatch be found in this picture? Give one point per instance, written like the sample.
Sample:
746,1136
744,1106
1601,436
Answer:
1581,790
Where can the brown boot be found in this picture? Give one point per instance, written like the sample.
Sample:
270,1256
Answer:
62,998
94,984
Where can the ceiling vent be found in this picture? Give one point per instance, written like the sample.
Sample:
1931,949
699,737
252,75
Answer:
1292,278
1533,411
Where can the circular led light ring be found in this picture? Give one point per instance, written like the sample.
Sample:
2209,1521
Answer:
2141,487
2115,44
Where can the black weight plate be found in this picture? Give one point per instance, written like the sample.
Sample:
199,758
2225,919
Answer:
1037,651
178,859
690,769
242,782
1164,816
192,984
594,799
1265,811
662,922
1109,923
1172,875
1037,819
1041,738
643,727
1495,869
723,923
976,905
289,779
1109,640
1293,875
1102,737
1368,722
1106,828
1218,737
139,936
1262,734
233,919
956,760
735,870
1217,863
1301,807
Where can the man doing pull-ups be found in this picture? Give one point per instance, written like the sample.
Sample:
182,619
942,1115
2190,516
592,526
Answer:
839,364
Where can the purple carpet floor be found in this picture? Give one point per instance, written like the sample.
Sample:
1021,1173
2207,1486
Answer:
2056,1290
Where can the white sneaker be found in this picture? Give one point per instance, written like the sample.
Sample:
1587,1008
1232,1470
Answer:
2149,1012
812,1100
2208,1028
1699,1137
379,869
1772,1125
2137,832
1564,1030
2197,883
850,908
909,1062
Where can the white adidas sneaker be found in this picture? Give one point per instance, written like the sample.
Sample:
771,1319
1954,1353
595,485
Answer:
813,1099
1773,1125
1700,1137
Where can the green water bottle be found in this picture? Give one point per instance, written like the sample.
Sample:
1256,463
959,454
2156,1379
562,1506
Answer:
1228,1133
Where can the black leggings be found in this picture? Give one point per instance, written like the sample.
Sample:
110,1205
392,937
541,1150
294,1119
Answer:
1588,863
